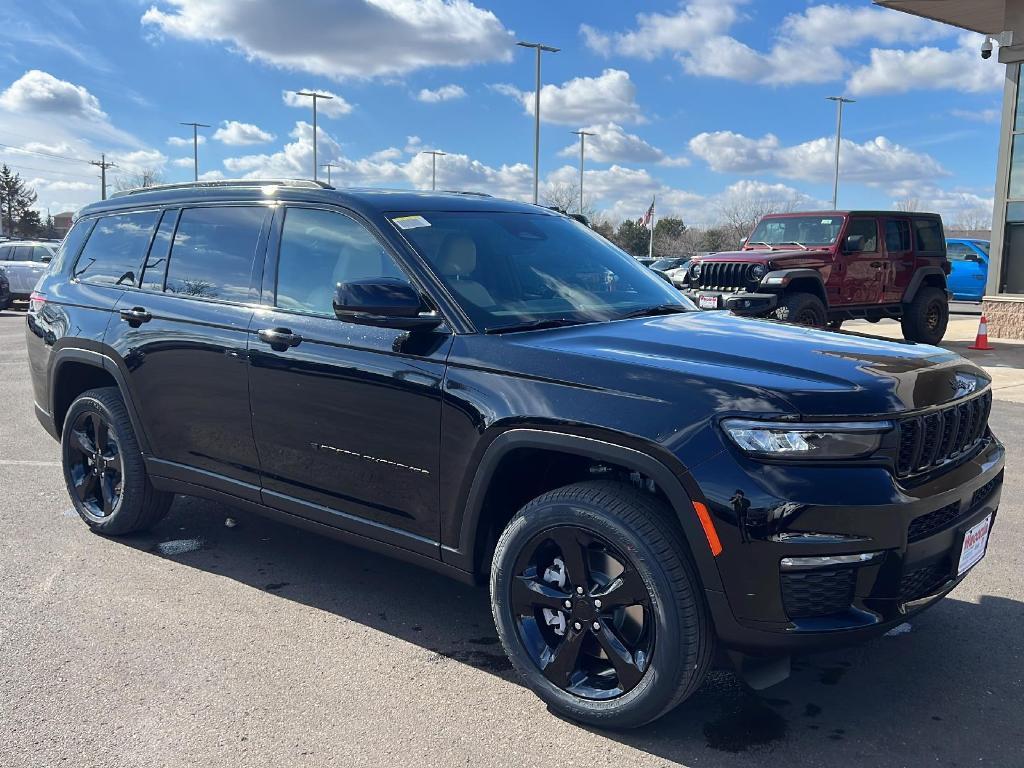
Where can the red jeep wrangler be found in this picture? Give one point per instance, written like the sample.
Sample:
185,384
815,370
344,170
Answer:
823,268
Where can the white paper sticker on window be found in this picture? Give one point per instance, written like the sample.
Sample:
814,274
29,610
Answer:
411,222
826,221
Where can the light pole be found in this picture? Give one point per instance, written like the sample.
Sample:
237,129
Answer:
328,166
839,100
536,114
195,147
434,154
314,96
583,139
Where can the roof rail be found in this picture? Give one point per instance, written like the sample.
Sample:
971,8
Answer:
465,192
300,183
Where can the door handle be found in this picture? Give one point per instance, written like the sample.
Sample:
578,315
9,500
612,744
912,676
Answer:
279,338
877,264
136,316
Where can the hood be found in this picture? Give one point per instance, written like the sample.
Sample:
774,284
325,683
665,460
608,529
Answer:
818,372
759,255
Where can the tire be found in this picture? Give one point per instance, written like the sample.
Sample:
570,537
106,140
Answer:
106,476
926,317
802,309
665,661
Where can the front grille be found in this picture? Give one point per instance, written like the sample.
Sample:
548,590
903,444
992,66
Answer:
931,440
923,581
724,275
924,526
808,594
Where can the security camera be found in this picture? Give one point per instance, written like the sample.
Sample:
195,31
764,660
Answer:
986,48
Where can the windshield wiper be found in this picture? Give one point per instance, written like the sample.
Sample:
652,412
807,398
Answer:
657,309
793,242
535,325
761,242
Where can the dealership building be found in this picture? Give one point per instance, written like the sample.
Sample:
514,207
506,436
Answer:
1003,20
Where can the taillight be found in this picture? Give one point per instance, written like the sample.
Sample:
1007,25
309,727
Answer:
36,301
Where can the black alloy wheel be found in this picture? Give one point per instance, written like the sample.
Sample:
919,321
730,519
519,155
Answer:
95,465
583,613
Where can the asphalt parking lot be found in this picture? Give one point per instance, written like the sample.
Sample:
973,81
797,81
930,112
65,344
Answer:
201,643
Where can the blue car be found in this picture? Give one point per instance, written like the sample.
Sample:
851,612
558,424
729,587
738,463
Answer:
969,258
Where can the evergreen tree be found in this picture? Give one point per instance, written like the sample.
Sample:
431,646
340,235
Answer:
16,201
632,237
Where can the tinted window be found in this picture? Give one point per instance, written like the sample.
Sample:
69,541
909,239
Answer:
959,251
213,252
929,235
867,230
897,236
114,252
5,253
41,253
156,261
320,249
71,244
22,253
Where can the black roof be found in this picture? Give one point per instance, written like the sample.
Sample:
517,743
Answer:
854,213
366,201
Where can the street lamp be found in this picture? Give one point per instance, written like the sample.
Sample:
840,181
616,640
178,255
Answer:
583,138
839,100
195,147
314,96
536,114
434,154
328,166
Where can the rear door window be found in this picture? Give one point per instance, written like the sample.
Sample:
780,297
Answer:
113,255
897,235
22,253
213,253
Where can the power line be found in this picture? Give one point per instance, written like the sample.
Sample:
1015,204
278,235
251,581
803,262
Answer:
44,154
19,167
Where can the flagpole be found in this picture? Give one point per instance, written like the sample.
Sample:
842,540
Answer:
650,243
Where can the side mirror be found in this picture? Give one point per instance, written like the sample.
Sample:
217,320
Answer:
853,243
382,302
972,257
46,259
663,276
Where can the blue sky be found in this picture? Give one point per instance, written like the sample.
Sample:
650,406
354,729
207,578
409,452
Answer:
704,103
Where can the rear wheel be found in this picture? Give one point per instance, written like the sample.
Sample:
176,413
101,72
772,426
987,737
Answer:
926,317
103,467
598,605
802,309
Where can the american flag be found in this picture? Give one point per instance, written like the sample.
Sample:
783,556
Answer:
645,220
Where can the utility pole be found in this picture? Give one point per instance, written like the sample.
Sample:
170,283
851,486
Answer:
328,166
103,165
536,114
434,154
195,147
314,96
839,100
583,138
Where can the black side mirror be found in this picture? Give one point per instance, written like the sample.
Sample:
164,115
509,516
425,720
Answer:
383,302
972,257
853,243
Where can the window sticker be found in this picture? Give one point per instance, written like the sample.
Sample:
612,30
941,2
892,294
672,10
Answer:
411,222
826,221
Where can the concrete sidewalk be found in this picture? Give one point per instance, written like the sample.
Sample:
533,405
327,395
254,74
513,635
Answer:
1004,363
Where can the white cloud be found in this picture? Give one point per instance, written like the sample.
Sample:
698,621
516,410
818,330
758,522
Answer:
183,162
236,134
139,160
608,97
658,33
612,144
184,141
960,208
341,38
991,115
334,106
872,162
444,93
899,71
40,92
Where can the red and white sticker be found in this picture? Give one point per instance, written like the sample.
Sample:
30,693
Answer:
706,301
975,543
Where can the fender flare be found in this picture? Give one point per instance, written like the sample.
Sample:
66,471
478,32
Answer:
97,360
678,486
918,279
781,278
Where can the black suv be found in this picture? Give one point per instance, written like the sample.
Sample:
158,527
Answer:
492,390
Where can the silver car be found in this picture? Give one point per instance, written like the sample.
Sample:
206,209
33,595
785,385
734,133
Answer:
24,261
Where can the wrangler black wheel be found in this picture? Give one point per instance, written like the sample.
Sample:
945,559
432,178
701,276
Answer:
802,309
598,604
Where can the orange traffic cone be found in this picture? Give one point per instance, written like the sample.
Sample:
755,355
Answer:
981,342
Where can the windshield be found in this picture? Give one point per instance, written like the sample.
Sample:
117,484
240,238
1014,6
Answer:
805,230
510,269
664,264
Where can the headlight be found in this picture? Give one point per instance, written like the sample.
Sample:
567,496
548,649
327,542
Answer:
758,271
780,440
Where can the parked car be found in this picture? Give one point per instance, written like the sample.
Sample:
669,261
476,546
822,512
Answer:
24,261
645,487
674,268
5,291
822,268
969,259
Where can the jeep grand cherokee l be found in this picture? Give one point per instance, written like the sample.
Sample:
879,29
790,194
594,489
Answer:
492,390
827,267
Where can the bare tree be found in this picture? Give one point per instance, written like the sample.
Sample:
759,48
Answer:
907,204
972,216
741,212
566,197
147,177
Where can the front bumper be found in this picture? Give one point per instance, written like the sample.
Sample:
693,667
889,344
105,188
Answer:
767,513
738,302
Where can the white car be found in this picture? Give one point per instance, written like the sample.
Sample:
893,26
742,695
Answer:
24,262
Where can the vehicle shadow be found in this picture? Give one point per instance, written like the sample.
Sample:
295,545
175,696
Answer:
949,686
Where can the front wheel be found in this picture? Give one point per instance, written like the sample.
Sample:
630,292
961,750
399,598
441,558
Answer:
598,605
802,309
